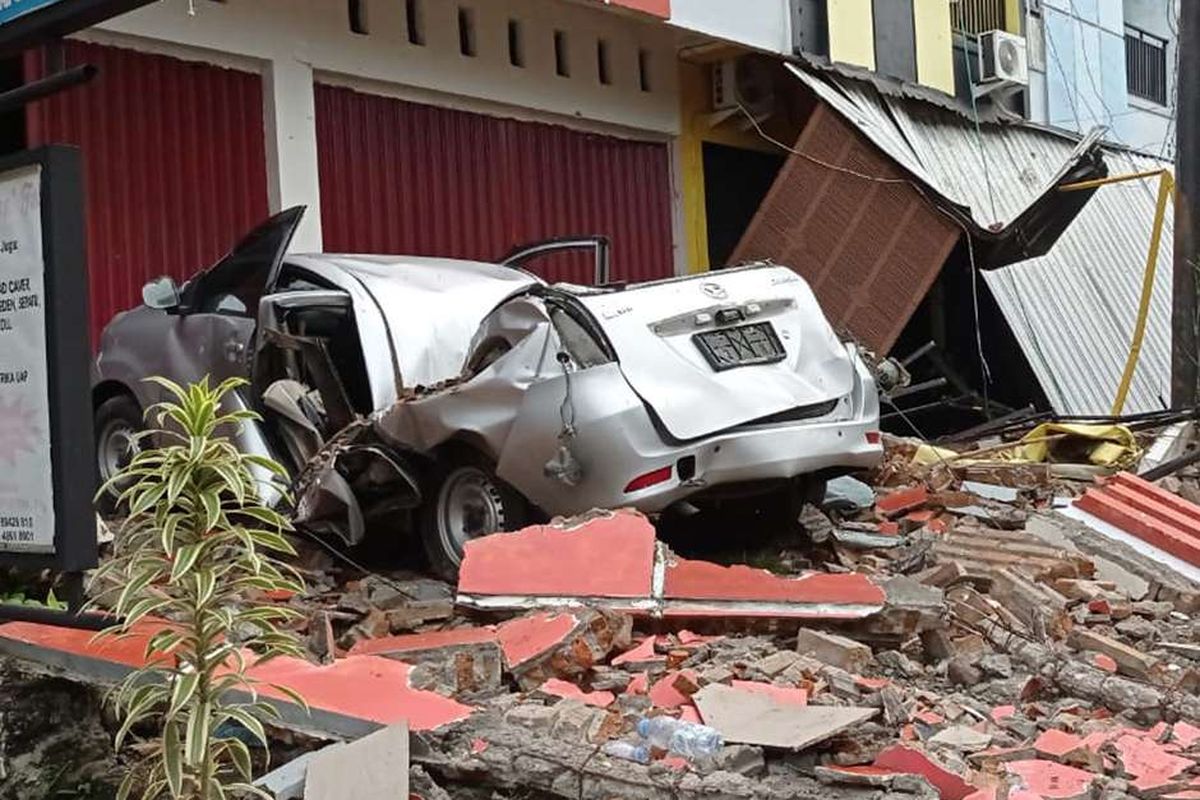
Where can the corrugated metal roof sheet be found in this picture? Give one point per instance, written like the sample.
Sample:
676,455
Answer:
1072,311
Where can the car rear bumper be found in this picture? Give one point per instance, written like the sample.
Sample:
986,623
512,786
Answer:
763,454
616,442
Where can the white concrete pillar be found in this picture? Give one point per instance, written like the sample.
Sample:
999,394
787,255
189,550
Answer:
290,125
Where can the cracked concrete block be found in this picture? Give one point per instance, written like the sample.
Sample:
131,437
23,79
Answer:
832,649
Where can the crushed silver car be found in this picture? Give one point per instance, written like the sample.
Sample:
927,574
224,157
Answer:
461,398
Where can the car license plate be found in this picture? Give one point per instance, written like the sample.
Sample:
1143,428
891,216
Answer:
741,346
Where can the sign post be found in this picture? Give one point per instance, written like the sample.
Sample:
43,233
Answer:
46,445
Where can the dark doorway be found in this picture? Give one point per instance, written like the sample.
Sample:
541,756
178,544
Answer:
12,121
735,183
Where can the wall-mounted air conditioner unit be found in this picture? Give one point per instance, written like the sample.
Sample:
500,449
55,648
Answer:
745,82
1002,59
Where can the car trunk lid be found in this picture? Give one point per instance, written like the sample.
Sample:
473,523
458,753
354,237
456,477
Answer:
716,351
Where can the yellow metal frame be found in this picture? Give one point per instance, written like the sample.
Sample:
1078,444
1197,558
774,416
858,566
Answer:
1166,192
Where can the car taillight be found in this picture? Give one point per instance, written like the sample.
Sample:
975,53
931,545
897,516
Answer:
649,479
873,437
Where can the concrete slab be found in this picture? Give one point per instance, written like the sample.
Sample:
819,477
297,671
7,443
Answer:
745,717
904,758
374,767
1051,780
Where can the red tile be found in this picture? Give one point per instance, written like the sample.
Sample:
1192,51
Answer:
129,651
929,717
424,641
479,745
1105,662
1000,713
1179,542
663,693
640,684
903,758
609,556
702,580
689,713
528,637
902,500
364,687
871,684
1128,482
568,690
644,651
1148,761
1054,744
1052,780
1185,734
784,694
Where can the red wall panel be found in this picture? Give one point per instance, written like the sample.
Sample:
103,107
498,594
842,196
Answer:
401,177
175,166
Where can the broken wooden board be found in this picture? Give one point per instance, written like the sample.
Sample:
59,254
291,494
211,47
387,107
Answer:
744,717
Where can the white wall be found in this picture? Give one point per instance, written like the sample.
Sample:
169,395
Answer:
290,41
761,24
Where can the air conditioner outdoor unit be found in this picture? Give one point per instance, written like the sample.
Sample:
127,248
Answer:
1002,60
745,82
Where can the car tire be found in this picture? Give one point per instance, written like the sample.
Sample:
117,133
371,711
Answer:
116,421
465,500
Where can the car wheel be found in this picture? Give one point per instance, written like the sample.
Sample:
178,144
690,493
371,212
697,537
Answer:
117,421
465,501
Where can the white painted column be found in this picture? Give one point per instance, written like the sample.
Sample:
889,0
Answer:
290,126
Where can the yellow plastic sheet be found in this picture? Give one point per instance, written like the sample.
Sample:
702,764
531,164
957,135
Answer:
1112,446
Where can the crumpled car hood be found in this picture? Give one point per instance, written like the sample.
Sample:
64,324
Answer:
652,329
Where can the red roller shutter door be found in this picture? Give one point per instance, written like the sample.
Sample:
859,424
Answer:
401,177
175,166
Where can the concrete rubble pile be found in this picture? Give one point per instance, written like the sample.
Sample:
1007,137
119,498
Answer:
983,630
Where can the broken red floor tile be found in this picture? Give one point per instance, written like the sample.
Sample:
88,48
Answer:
1105,662
642,653
610,556
704,588
901,500
1051,780
479,745
525,638
568,690
689,713
904,758
871,684
640,684
1000,713
929,717
1185,734
1055,744
417,642
663,693
1144,759
784,694
937,525
688,638
676,763
889,528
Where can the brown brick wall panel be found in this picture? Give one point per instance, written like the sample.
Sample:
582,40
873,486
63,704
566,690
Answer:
870,250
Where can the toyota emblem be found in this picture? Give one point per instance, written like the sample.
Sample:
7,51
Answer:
714,290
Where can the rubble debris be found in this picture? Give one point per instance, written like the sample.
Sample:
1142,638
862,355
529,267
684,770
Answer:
374,767
747,717
908,759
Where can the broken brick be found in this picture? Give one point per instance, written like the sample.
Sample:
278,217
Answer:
832,649
902,500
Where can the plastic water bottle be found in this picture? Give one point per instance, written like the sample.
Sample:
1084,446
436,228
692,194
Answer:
628,751
685,739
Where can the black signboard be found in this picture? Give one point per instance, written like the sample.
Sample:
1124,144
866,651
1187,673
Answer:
46,445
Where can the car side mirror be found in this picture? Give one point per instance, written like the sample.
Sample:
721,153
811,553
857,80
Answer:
161,293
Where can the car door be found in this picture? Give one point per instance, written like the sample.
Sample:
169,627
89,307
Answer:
214,325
